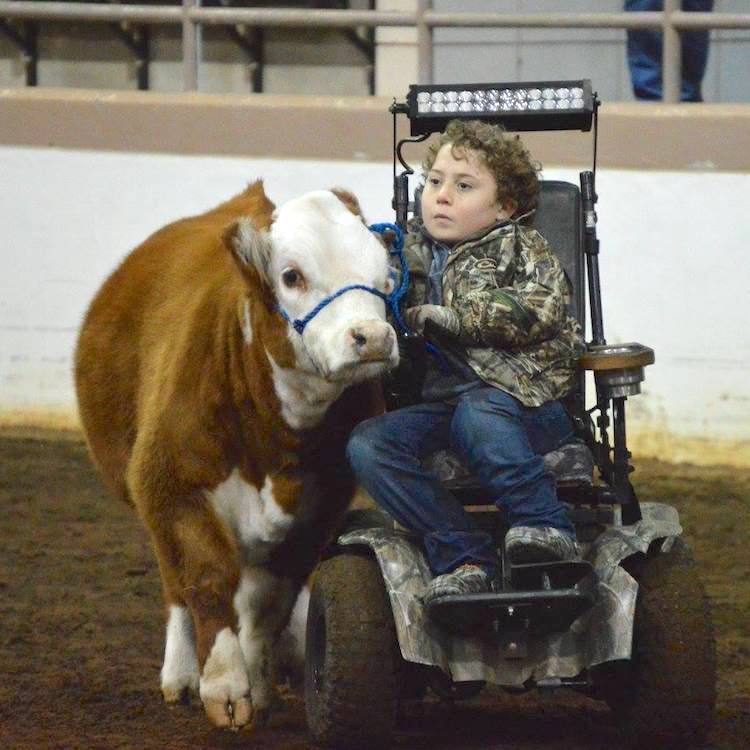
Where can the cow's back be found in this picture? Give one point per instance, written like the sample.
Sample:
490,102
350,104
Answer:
180,275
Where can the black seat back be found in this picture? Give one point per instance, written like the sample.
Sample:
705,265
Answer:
559,219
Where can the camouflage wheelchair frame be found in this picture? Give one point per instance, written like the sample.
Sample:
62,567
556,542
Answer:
628,623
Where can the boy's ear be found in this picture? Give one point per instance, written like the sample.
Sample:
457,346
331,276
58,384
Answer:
507,210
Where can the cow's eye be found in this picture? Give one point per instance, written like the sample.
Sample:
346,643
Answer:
292,278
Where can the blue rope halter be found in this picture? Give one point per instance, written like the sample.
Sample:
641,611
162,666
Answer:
392,300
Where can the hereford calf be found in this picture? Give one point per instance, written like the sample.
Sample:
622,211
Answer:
226,427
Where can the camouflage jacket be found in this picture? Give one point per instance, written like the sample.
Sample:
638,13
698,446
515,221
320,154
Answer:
510,294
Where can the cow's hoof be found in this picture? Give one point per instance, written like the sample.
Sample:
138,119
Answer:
180,694
230,714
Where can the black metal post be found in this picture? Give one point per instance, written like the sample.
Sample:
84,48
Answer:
604,458
259,37
401,199
31,58
591,248
631,511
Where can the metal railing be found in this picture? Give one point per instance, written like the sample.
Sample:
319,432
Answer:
671,21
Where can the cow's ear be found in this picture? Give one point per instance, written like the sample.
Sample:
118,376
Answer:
349,200
250,248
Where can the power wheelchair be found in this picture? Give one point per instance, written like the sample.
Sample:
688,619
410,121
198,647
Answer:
627,624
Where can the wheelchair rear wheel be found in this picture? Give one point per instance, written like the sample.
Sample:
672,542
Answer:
665,696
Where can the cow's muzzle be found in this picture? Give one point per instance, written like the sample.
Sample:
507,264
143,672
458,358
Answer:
372,341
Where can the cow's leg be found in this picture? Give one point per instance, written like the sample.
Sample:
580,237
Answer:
180,674
210,573
264,603
290,648
199,564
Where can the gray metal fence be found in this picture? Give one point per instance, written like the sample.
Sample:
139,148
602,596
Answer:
192,17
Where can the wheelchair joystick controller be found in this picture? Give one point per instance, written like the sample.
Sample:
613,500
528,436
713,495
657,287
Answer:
404,384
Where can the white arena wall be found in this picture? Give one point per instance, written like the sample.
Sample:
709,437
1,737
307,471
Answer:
674,264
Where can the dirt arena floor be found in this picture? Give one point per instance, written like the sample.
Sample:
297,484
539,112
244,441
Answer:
81,627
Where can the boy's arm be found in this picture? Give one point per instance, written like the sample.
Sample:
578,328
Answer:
531,310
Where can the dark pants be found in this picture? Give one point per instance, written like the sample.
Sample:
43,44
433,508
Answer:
645,54
500,440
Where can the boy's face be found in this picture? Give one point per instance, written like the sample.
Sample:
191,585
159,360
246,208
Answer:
460,197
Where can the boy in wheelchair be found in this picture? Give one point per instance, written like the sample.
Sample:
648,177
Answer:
498,296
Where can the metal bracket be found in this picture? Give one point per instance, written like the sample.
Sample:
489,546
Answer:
365,44
26,41
137,40
401,203
513,644
251,42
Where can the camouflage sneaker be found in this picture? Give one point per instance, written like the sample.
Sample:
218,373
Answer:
571,462
526,544
468,579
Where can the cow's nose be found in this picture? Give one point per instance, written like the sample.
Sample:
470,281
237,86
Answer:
372,339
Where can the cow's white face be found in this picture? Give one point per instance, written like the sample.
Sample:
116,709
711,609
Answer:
317,247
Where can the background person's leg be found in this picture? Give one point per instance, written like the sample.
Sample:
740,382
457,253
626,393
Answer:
386,454
694,46
645,54
644,50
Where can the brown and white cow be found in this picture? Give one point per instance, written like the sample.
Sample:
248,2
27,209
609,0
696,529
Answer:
226,428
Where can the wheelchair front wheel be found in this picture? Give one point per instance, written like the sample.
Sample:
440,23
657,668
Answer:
352,657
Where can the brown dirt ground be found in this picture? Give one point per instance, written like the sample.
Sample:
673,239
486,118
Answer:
81,624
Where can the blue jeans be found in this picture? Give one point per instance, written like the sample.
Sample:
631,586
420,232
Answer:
645,54
501,442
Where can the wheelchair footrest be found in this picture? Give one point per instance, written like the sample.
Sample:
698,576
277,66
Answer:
532,612
548,575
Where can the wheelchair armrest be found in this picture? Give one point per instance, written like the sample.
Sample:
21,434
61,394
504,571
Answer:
618,368
617,357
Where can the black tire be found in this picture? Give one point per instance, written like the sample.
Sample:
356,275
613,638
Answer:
352,657
665,696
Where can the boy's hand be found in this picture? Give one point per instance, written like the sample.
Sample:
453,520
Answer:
446,318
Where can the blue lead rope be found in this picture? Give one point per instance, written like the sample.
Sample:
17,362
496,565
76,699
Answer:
395,297
393,300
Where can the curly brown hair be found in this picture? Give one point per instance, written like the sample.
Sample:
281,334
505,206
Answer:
516,173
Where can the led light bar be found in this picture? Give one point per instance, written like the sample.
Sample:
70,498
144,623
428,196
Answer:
538,105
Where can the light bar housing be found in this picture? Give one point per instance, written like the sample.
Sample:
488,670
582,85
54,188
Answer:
534,105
